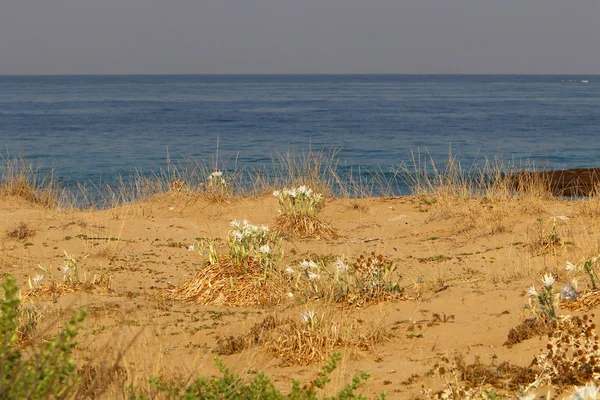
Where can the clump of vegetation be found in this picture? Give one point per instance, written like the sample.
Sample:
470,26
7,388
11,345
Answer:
309,338
251,243
244,276
547,235
370,278
298,214
572,356
71,280
50,372
462,380
542,305
587,267
19,177
231,386
21,231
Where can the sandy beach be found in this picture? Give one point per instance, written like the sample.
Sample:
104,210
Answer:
463,268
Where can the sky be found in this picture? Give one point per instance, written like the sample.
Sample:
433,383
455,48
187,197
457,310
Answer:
299,36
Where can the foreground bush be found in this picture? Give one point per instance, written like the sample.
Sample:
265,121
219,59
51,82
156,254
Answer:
231,386
50,372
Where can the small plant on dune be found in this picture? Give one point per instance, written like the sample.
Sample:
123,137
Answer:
548,237
369,278
311,336
20,232
48,373
586,266
301,200
216,184
542,303
244,276
71,280
298,213
71,268
249,242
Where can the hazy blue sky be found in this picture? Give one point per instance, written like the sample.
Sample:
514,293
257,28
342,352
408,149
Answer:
299,36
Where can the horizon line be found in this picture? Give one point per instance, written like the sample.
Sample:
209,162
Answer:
303,74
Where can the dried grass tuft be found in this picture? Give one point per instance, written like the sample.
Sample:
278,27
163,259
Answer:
586,301
21,231
296,342
231,284
19,177
294,225
54,290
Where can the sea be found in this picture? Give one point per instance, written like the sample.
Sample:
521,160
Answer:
94,129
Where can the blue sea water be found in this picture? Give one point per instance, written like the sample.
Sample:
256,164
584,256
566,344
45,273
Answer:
94,128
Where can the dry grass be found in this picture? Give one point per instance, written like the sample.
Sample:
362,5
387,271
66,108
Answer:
21,231
300,342
304,340
231,284
572,356
295,225
19,177
370,279
56,289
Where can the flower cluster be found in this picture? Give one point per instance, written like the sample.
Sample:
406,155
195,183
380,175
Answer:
246,240
216,181
545,298
587,266
301,200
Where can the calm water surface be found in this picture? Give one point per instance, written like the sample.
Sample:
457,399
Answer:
93,128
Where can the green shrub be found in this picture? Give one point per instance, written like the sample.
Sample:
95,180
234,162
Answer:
50,372
231,386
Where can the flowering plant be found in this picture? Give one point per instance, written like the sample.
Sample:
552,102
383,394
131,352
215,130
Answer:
246,240
545,297
301,200
587,266
217,182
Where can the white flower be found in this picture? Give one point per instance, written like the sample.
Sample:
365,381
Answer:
191,247
235,223
37,279
570,266
290,294
276,193
548,280
312,276
532,291
289,271
308,264
216,174
587,392
308,316
265,249
340,265
238,235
